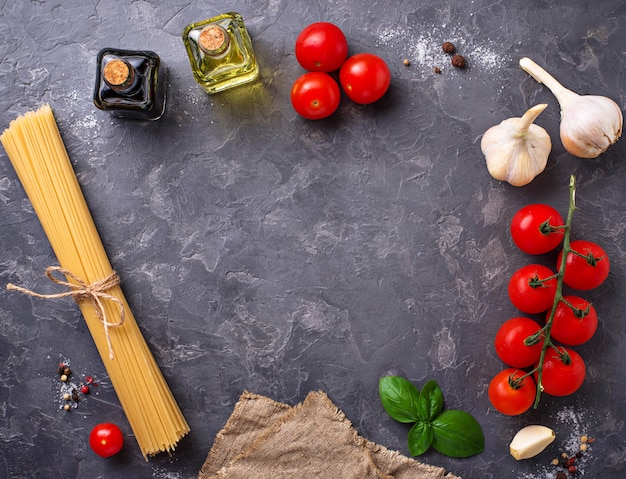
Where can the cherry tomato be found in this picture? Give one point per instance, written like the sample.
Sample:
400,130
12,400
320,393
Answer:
561,377
365,78
529,289
587,265
315,95
106,439
510,345
537,229
508,396
321,47
576,326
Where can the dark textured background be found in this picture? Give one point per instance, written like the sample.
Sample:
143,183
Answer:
265,252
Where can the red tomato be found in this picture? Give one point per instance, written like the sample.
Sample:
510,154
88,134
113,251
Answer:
365,78
562,377
315,95
106,439
529,289
510,345
587,265
537,229
576,326
321,47
508,396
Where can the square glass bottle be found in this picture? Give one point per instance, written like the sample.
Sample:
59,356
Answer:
220,52
130,83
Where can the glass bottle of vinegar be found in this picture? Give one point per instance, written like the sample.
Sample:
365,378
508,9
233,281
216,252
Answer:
130,84
220,52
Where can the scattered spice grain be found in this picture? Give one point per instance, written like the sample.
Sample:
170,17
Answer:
458,61
448,47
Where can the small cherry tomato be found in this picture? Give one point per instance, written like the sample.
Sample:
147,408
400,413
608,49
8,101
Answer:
532,288
106,439
315,95
587,265
563,373
537,229
365,78
575,321
321,47
510,394
510,346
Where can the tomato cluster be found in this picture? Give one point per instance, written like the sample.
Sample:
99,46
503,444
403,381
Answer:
322,48
521,342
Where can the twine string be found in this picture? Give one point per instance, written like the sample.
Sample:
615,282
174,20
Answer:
79,290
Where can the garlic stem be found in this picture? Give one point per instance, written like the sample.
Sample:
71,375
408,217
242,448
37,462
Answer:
542,76
529,117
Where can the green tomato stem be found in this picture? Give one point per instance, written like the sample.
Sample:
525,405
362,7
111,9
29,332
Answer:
559,288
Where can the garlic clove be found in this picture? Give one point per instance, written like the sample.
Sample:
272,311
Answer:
589,123
517,150
530,441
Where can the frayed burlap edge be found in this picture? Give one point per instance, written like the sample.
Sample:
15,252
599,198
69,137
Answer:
239,431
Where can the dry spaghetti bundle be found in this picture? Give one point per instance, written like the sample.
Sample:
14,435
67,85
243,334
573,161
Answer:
36,150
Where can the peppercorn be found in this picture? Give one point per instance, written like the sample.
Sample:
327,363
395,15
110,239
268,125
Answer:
64,377
67,396
406,62
448,47
458,61
75,395
67,407
561,475
84,389
67,371
437,70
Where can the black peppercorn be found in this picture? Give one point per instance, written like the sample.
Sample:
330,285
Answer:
458,61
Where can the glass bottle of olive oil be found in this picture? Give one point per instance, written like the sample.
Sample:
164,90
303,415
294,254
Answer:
220,52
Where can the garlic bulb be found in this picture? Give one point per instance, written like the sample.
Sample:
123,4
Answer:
530,441
589,123
517,150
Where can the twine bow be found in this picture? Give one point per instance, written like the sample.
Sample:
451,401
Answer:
80,291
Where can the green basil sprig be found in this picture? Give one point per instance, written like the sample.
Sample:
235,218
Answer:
452,432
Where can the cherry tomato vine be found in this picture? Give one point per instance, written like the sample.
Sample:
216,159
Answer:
580,265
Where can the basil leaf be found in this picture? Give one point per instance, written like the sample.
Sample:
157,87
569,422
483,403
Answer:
430,402
420,438
399,397
457,434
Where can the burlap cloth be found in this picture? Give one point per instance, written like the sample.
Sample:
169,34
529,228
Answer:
265,439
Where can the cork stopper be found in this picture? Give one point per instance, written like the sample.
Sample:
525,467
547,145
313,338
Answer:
213,40
118,74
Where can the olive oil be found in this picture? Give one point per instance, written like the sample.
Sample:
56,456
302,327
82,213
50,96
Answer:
220,52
